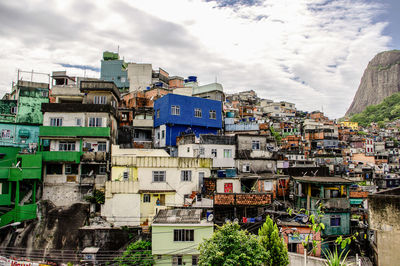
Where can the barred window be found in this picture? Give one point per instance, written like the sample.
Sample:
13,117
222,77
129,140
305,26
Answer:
186,175
197,112
158,176
213,114
183,235
175,110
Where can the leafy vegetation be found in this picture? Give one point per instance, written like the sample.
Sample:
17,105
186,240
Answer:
229,245
388,110
97,197
273,244
336,259
137,253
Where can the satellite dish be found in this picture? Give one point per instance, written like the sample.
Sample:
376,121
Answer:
236,220
305,219
210,217
90,173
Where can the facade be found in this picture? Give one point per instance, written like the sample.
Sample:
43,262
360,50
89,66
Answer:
158,181
75,142
177,114
177,233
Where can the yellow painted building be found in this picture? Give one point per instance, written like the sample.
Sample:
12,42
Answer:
349,124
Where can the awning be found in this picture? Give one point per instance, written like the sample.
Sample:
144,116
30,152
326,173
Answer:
356,201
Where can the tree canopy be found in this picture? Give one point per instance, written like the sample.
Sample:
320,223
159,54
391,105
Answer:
229,245
137,253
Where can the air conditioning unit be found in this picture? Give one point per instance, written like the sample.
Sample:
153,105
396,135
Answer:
246,168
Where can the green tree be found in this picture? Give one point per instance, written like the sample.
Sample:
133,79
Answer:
273,244
137,253
231,246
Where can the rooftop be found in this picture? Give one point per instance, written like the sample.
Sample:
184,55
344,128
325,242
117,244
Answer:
178,216
322,179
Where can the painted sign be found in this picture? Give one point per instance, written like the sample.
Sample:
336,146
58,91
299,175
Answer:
299,238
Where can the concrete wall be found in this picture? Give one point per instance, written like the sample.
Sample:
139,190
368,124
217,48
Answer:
256,166
62,194
140,76
298,260
192,150
122,209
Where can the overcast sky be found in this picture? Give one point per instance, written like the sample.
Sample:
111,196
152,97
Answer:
310,52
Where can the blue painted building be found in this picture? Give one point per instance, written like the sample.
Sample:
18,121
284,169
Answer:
176,114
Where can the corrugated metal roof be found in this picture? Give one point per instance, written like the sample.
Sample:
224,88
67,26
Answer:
178,216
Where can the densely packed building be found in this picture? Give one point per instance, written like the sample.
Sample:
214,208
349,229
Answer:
161,147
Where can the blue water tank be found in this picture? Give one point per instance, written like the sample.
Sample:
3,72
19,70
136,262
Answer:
230,114
192,79
147,88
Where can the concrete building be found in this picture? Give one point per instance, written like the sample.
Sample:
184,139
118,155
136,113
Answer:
384,222
177,114
176,235
115,70
75,142
156,181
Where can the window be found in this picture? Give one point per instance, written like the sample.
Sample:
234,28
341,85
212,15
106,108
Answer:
66,146
56,122
214,153
255,145
186,175
14,109
126,175
188,149
6,134
158,113
136,135
78,121
102,169
183,235
175,110
54,169
146,198
177,260
71,169
201,151
45,94
158,176
195,260
102,146
213,114
227,153
163,134
335,220
95,121
197,112
99,100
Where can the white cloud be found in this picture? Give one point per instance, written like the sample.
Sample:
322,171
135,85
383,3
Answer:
310,52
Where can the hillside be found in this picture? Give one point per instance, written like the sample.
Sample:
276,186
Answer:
381,79
388,110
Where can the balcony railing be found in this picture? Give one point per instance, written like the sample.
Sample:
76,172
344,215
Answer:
121,187
61,156
254,199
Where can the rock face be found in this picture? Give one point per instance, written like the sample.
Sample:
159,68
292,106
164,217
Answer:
380,80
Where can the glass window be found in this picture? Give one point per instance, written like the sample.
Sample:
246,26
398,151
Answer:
158,113
227,153
99,100
78,121
214,153
66,146
201,151
102,146
255,145
14,109
175,110
102,169
335,220
163,134
213,114
95,121
158,176
71,169
6,133
146,198
126,175
197,112
56,122
183,235
186,175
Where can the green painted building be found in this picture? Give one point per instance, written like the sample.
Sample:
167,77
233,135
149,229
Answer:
333,193
177,233
20,165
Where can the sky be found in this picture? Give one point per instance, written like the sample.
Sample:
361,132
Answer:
309,52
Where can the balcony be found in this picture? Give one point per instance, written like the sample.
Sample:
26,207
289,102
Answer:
99,156
45,131
61,156
143,123
248,199
121,187
25,173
